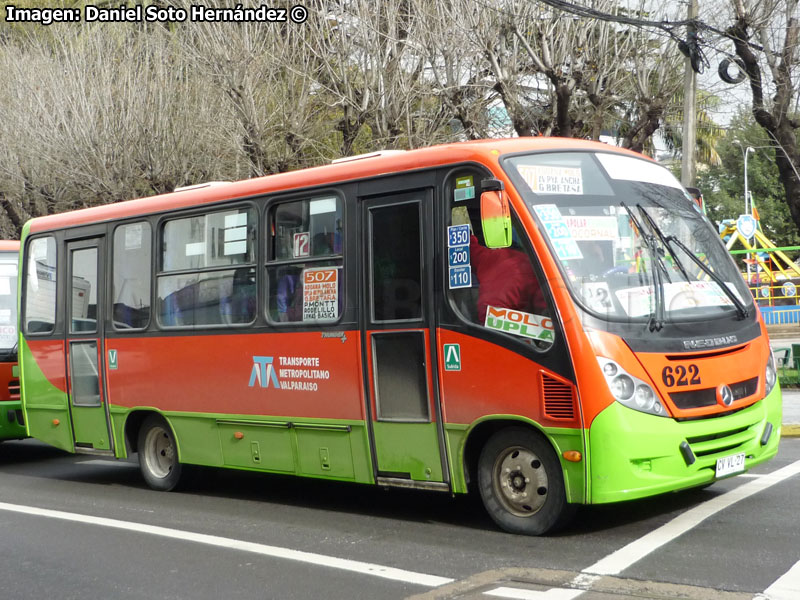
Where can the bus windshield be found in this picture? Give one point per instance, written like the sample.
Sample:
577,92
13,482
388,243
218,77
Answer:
628,239
8,300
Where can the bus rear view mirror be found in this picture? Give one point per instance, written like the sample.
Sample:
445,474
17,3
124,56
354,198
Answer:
495,214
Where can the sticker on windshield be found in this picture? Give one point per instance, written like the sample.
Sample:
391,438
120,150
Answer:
698,294
592,228
597,296
557,230
465,189
519,323
552,180
640,301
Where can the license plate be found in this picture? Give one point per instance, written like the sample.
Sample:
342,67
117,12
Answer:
728,465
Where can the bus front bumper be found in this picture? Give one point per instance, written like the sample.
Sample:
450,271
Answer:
634,455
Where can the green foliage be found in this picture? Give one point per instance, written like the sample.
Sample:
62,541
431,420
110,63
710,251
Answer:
723,185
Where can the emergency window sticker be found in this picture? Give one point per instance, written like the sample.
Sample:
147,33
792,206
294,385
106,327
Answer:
465,189
560,236
516,322
552,180
321,294
458,259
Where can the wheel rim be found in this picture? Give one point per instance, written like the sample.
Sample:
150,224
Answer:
520,482
159,452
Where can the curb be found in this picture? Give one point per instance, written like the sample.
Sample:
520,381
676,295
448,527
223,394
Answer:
790,430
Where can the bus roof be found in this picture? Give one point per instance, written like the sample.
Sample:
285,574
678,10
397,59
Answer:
373,164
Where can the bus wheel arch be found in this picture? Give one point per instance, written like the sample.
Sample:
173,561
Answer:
157,448
519,477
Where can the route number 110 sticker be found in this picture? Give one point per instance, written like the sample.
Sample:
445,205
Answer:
458,260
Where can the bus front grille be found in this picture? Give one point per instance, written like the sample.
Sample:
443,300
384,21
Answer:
722,441
708,396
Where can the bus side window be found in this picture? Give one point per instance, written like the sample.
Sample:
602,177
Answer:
131,276
305,251
505,292
207,269
40,286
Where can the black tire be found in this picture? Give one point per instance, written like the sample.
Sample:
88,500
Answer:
158,455
521,483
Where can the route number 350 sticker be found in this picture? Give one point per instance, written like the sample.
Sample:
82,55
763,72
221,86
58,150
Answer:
680,375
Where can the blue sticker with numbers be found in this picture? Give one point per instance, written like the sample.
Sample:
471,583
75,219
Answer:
457,235
458,261
560,236
458,256
460,277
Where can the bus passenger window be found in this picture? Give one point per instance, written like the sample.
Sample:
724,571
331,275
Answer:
208,269
131,276
305,247
40,286
505,292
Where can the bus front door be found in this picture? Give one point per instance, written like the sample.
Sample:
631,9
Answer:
405,415
85,347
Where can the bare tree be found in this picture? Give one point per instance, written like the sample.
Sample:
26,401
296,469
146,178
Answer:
765,35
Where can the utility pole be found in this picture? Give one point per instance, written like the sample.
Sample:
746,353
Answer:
688,167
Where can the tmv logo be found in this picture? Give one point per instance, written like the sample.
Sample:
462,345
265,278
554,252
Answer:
263,372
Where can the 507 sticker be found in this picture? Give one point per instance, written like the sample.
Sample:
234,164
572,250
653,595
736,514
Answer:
681,375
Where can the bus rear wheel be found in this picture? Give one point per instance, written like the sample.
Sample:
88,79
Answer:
521,483
158,455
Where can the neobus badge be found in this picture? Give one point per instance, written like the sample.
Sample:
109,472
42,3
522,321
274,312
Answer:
710,342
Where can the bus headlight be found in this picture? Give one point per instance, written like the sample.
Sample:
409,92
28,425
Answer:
629,390
770,374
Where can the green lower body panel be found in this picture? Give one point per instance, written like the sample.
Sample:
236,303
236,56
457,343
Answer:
312,448
634,455
12,426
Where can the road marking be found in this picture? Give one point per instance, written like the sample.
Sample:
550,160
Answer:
520,594
786,587
612,564
623,558
343,564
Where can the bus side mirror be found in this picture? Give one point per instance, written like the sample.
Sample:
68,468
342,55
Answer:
495,214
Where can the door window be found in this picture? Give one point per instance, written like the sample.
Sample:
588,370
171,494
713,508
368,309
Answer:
496,288
83,291
396,262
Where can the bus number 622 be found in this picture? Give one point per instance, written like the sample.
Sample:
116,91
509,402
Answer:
680,375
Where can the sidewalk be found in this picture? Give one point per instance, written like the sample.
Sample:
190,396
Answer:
791,413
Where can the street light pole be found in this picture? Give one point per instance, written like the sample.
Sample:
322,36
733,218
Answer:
747,208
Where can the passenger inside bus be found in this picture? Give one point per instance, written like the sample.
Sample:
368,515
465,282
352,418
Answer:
506,279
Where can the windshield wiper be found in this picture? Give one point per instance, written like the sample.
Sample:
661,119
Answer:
664,240
668,240
740,307
657,317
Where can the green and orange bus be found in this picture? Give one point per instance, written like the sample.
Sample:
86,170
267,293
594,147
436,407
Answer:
550,322
12,425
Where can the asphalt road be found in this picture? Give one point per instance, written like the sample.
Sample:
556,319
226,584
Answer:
78,527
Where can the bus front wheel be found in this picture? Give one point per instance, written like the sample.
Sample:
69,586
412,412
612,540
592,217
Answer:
521,483
158,455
